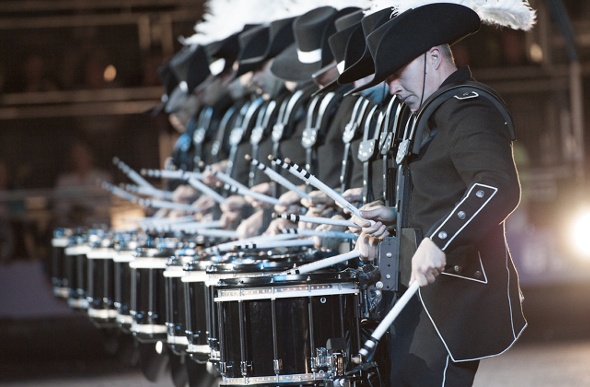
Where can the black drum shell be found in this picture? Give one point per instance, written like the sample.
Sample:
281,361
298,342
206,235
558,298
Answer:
101,286
259,316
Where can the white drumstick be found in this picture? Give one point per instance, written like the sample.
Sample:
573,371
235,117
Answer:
319,233
326,262
273,175
241,189
273,244
316,220
119,192
131,174
304,175
384,325
227,246
153,203
171,174
154,192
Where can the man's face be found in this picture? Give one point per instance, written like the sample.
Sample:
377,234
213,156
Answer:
409,83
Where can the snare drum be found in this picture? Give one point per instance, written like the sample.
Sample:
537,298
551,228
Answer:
176,301
101,286
125,253
148,298
59,243
287,330
75,273
228,266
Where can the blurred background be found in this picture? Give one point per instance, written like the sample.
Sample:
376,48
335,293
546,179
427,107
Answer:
78,83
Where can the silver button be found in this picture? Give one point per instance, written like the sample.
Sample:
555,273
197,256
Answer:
480,194
442,235
457,269
478,274
461,214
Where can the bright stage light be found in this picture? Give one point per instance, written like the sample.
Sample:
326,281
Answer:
579,233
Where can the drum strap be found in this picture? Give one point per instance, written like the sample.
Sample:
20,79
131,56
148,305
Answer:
247,115
286,120
350,133
318,121
199,136
220,137
267,111
367,151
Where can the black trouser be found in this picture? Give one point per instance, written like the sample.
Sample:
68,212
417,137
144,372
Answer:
418,356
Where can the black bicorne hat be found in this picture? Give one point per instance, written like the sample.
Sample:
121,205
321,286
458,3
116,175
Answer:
170,83
405,37
345,27
253,45
227,49
310,51
358,61
190,68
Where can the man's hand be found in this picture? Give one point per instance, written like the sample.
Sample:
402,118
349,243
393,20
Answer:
367,246
290,203
382,216
250,227
428,263
262,188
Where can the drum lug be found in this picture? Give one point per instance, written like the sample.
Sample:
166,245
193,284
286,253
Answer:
245,367
278,366
222,368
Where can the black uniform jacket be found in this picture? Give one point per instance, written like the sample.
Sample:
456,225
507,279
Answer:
465,185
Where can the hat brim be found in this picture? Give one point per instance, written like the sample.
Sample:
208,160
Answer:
287,66
405,37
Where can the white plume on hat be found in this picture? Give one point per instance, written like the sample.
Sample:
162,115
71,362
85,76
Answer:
299,7
516,14
225,17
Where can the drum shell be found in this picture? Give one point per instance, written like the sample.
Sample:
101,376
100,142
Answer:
75,275
176,299
297,314
148,299
58,265
122,290
101,286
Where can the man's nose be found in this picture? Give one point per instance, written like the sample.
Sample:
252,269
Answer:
395,87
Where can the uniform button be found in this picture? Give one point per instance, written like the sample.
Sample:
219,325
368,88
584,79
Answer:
442,235
478,275
461,214
480,194
458,269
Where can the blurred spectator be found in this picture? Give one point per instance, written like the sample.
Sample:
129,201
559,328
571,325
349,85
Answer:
32,75
6,232
80,201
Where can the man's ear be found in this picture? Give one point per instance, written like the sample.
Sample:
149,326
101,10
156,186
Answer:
435,57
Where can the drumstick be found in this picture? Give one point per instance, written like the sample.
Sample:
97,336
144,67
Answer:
319,233
154,192
272,244
160,221
371,343
227,246
183,226
313,266
316,220
191,177
131,174
154,203
119,192
237,187
273,175
214,233
304,175
171,174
